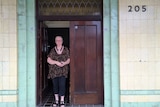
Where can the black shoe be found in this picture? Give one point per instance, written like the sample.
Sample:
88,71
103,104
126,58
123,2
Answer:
55,104
62,104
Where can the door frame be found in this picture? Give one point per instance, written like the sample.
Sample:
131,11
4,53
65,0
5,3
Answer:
27,45
42,84
37,89
27,23
68,18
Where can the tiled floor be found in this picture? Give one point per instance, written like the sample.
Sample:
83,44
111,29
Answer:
48,101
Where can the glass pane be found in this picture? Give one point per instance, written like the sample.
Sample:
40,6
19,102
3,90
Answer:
69,7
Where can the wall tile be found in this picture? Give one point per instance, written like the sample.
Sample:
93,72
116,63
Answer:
12,13
13,83
1,84
0,23
157,68
5,2
11,98
5,26
5,55
12,42
0,98
13,69
1,41
5,83
140,98
139,45
157,79
13,54
5,11
157,54
8,49
6,41
1,54
123,54
12,29
5,68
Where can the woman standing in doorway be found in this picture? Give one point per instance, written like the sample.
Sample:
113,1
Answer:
58,60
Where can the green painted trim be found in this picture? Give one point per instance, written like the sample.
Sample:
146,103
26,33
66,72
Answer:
111,53
8,92
22,56
140,104
31,54
140,92
8,104
26,53
115,54
107,53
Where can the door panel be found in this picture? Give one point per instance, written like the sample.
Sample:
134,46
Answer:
86,62
42,65
79,64
39,63
91,64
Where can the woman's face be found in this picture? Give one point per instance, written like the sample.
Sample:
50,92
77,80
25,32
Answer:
58,41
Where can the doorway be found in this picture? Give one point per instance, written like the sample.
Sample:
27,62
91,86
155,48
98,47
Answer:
47,30
64,32
84,40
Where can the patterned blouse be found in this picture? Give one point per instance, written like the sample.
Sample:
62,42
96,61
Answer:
54,70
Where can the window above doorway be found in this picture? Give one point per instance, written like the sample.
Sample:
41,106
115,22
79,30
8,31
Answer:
70,7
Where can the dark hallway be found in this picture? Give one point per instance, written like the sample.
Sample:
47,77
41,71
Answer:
48,42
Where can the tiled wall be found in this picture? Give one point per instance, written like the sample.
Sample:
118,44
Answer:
139,50
8,51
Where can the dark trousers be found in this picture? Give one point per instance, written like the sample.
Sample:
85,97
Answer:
59,85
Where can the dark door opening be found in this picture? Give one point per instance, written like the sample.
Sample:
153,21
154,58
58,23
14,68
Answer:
45,42
64,32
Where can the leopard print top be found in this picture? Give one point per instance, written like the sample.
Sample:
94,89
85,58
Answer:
54,70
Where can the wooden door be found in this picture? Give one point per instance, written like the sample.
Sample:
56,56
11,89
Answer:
39,63
86,62
42,65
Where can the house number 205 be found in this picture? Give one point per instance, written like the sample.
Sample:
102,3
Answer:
137,8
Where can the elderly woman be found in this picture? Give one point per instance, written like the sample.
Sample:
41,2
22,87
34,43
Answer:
58,60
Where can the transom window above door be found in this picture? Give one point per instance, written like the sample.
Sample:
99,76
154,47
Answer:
70,7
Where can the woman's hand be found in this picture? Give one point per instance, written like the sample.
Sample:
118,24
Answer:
65,62
60,64
52,62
